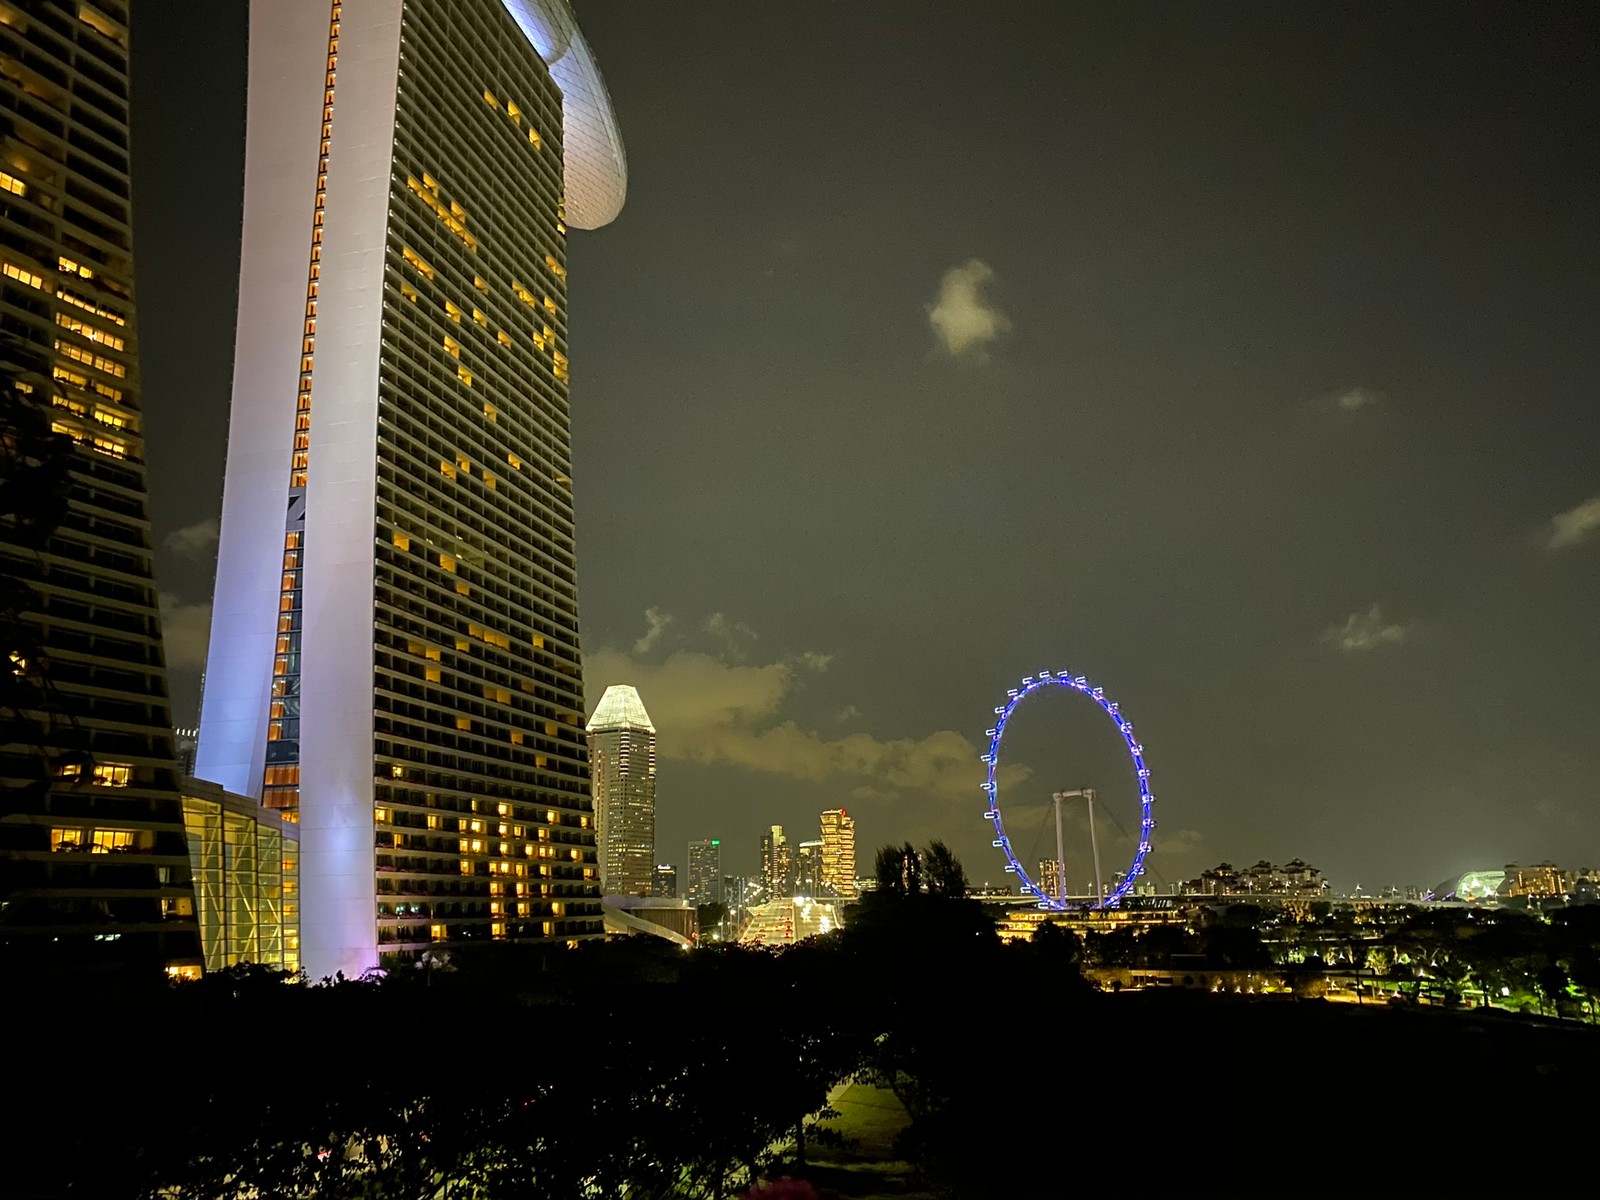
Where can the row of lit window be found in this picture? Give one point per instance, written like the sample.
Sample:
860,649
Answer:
68,376
98,841
114,447
89,359
102,416
85,330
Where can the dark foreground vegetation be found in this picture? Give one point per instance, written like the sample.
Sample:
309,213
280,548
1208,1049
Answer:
631,1068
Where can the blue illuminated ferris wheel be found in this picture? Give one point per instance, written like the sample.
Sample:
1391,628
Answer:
991,789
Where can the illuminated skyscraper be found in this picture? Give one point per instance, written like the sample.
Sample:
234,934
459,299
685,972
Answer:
808,868
394,647
704,882
776,867
839,852
622,753
94,864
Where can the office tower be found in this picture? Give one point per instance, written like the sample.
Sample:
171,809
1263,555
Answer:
839,853
664,882
704,883
808,868
622,755
94,864
776,868
394,647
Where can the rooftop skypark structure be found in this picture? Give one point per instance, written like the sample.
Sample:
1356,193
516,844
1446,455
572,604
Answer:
622,751
94,865
394,655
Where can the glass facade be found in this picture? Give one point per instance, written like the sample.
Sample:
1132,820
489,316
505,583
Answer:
246,864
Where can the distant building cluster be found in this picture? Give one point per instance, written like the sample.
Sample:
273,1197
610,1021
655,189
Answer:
1539,881
1295,878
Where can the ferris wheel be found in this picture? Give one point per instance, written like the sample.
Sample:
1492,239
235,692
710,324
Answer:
1058,901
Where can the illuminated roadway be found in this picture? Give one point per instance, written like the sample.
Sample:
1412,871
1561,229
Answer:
784,922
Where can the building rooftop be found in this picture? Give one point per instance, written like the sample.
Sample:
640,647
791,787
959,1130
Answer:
596,169
620,708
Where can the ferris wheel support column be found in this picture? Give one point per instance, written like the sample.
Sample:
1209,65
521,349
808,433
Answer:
1094,846
1061,850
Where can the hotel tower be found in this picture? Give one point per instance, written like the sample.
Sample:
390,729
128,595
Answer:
394,654
94,865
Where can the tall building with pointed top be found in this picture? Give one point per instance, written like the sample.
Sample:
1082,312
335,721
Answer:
94,864
394,657
622,756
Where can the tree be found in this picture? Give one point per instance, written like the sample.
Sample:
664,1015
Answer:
710,917
899,871
943,871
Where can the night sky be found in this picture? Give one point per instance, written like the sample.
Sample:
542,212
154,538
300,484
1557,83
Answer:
1240,357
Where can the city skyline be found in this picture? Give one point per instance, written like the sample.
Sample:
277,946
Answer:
1237,360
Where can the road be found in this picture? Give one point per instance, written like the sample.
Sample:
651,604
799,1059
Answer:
784,922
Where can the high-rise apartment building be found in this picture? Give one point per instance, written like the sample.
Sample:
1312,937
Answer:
94,864
808,868
622,754
704,879
777,869
839,853
394,649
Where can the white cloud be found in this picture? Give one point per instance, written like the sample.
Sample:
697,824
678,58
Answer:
1574,526
735,636
656,623
1357,398
185,631
1365,631
193,541
709,710
962,319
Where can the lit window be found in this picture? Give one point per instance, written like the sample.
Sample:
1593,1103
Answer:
431,674
409,292
10,183
464,723
516,463
464,375
452,347
503,338
452,311
491,412
550,306
22,275
481,284
447,469
401,541
488,481
556,268
417,261
113,774
533,137
480,318
516,737
448,563
66,839
111,841
436,932
488,98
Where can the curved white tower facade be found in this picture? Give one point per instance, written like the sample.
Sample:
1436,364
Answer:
394,652
622,753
